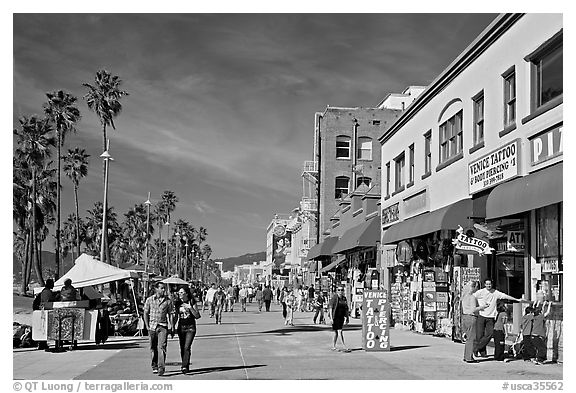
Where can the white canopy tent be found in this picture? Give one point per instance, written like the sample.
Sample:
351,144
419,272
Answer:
88,271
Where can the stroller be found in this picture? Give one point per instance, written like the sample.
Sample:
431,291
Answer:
516,350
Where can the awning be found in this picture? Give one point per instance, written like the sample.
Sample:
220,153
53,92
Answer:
365,234
322,249
448,217
339,260
530,192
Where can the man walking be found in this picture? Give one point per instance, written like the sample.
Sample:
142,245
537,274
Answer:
258,297
158,311
219,302
267,297
40,300
243,294
487,298
230,298
209,301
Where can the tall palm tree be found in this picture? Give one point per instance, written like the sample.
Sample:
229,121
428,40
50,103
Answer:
104,99
34,139
62,111
201,236
76,167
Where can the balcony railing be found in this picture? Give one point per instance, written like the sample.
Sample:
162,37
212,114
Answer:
310,166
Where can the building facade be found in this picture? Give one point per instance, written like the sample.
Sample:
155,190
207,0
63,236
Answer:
472,179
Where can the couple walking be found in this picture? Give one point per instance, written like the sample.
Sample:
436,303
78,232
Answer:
163,317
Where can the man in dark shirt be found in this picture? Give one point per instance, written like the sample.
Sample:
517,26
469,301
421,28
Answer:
267,297
44,297
68,293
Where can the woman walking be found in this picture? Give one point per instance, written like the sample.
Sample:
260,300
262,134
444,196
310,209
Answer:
290,305
282,300
339,312
186,314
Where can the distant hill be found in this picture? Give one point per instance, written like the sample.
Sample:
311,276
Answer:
229,263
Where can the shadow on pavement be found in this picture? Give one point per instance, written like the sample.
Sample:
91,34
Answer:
279,332
405,347
109,345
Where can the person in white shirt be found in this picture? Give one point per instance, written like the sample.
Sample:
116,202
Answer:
210,299
243,294
488,298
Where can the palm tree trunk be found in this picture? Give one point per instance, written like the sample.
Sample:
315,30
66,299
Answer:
37,266
24,283
58,137
103,150
77,220
29,261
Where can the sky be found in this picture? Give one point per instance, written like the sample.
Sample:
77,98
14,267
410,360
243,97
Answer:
221,106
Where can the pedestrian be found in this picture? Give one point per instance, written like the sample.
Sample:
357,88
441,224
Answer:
470,310
499,332
46,296
186,316
219,302
339,313
230,298
209,299
236,294
534,333
158,311
243,294
250,293
267,297
278,295
291,304
310,303
485,321
318,305
282,299
258,297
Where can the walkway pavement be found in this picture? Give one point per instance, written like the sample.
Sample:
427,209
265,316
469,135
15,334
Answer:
254,345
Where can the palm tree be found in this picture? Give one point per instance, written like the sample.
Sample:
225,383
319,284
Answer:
104,99
76,167
201,236
62,111
34,139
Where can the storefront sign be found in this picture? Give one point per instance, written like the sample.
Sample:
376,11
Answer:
375,327
515,241
390,214
546,145
494,168
463,242
549,265
415,203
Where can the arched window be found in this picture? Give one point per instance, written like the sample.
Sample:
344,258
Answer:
342,187
343,147
363,179
364,148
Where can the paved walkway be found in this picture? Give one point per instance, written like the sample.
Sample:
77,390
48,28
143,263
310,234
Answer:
254,345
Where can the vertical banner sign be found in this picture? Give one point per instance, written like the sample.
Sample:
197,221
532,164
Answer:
375,327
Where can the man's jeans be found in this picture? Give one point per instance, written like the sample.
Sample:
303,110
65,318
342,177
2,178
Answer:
158,340
484,331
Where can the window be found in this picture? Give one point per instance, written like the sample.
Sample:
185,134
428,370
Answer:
364,148
547,71
411,163
342,186
451,137
399,173
509,98
478,134
376,122
549,228
428,152
343,147
363,179
387,180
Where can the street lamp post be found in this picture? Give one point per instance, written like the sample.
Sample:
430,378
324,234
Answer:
167,224
147,203
177,246
185,238
103,244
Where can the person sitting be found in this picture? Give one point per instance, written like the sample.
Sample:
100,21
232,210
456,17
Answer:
68,293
